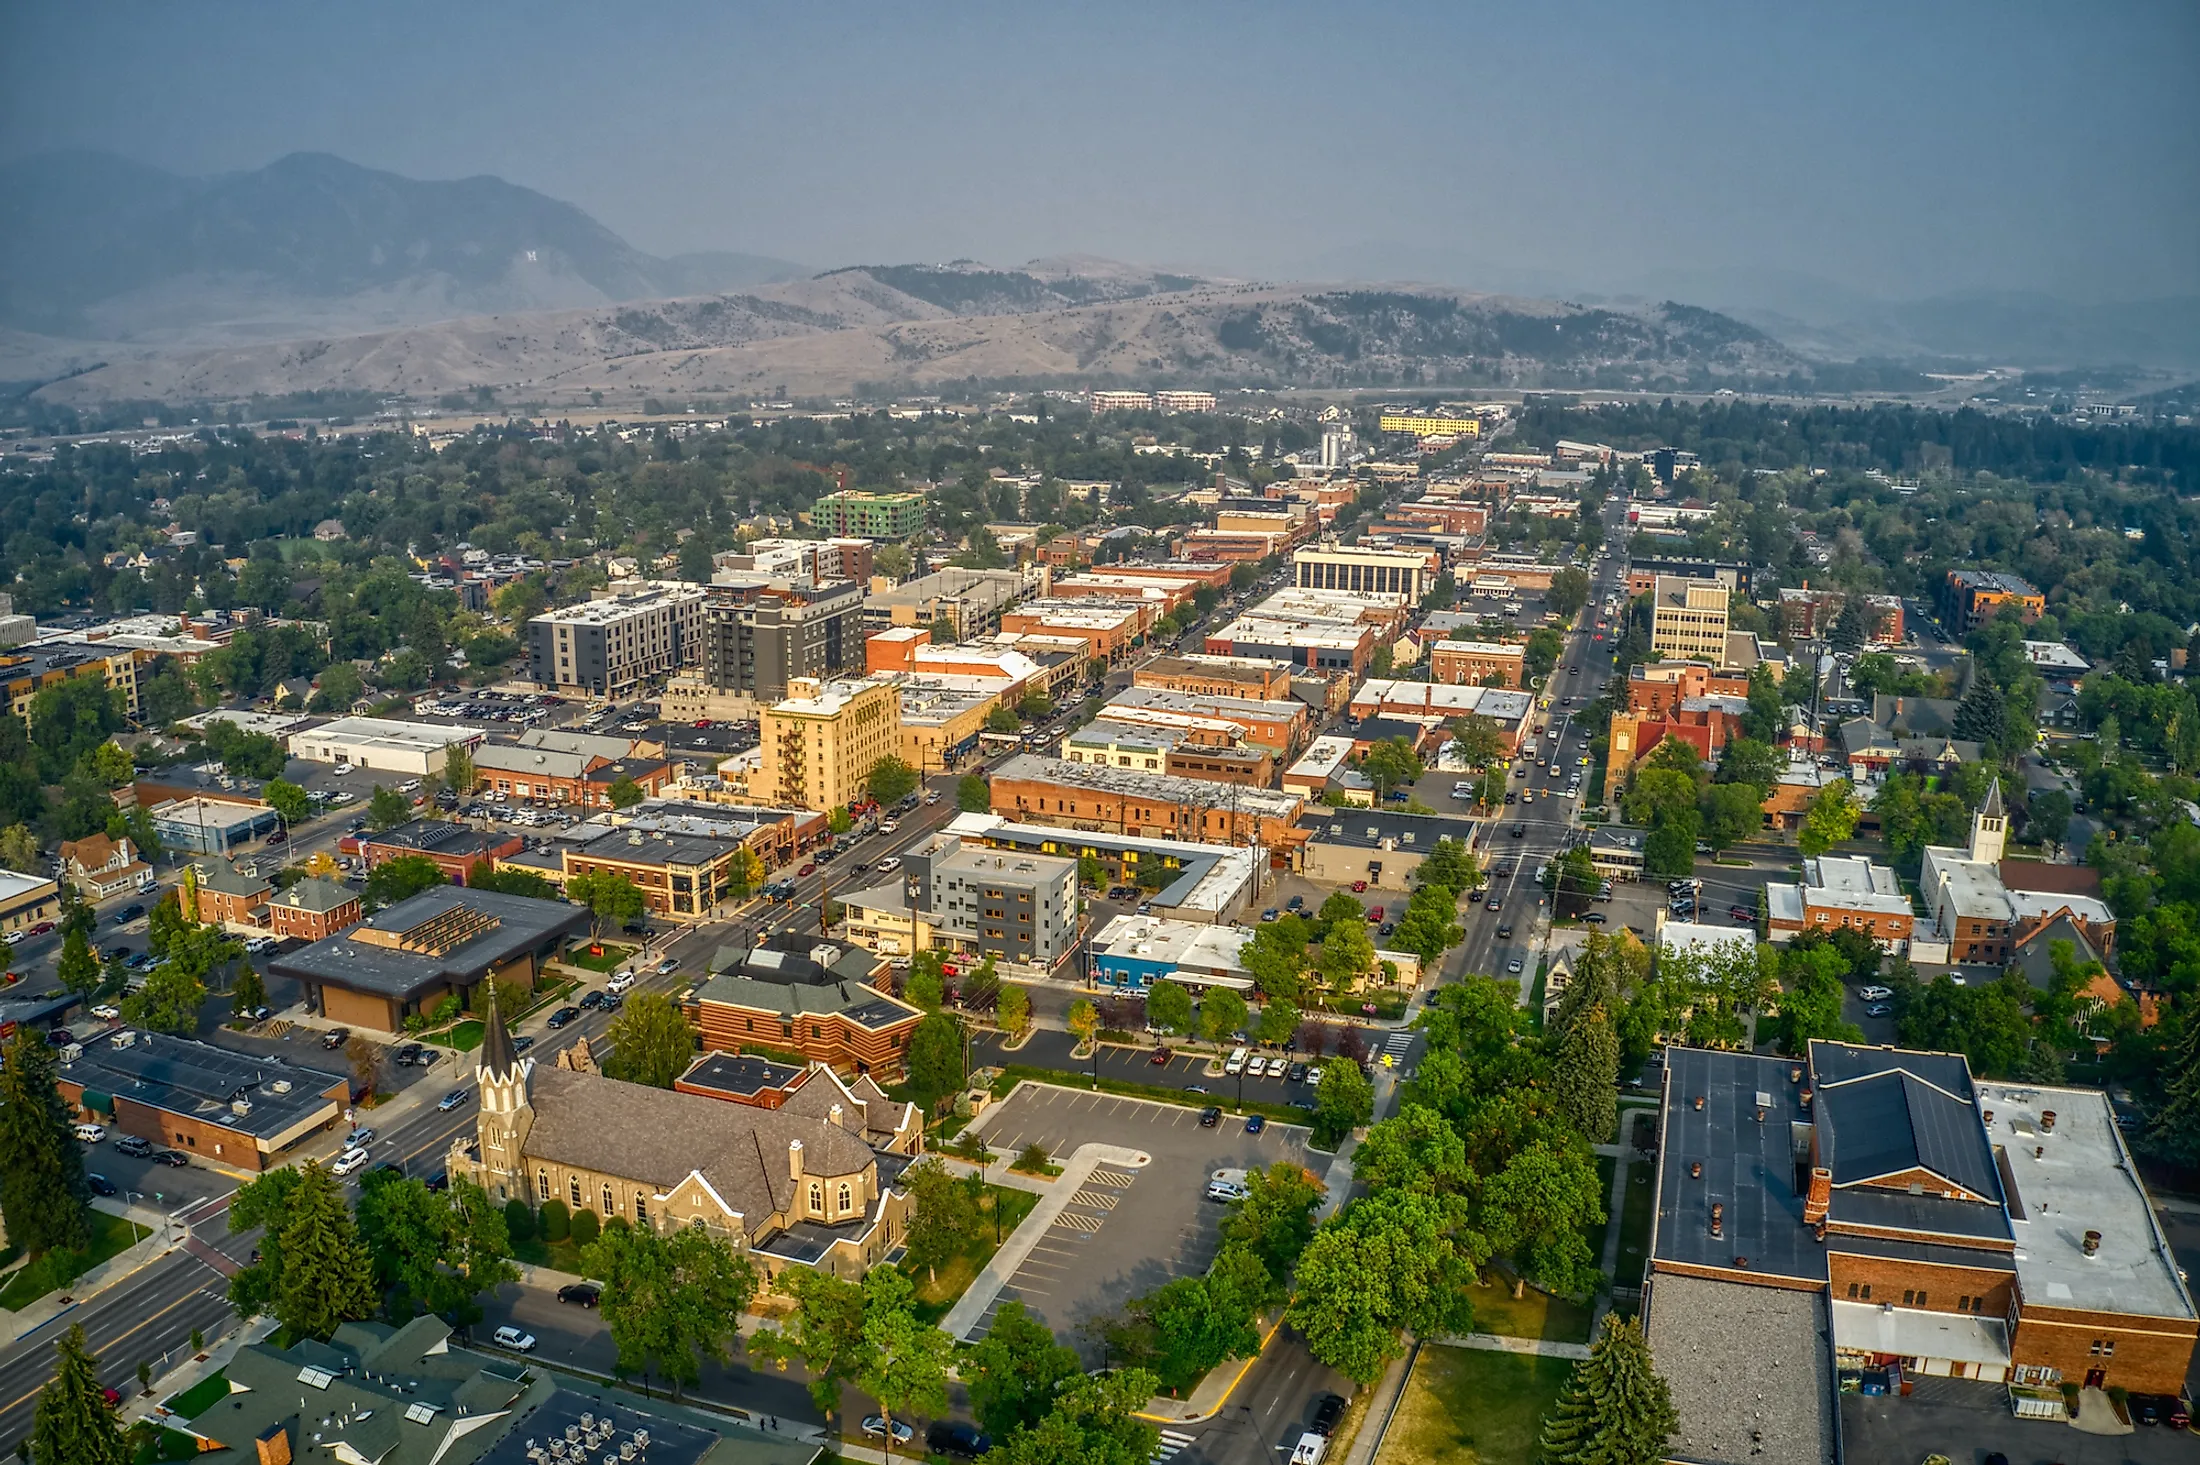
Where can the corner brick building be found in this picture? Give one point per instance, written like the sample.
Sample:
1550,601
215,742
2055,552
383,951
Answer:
1929,1223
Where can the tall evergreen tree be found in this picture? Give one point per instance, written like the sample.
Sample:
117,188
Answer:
78,968
327,1275
2175,1134
43,1194
1584,1079
1616,1410
73,1425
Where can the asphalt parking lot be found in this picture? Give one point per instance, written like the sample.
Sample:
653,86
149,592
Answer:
1967,1421
1125,1231
1186,1068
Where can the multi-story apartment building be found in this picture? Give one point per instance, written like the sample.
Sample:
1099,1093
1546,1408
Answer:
1688,618
612,645
1428,424
1643,573
855,513
1119,401
758,639
820,744
1184,401
815,561
1404,574
28,670
986,902
1974,597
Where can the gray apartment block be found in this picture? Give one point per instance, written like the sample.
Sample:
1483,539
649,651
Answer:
1018,907
611,645
758,638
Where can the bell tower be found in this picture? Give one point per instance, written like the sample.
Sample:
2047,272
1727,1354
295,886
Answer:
507,1109
1990,827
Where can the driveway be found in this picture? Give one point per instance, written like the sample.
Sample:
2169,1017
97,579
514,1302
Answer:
1124,1232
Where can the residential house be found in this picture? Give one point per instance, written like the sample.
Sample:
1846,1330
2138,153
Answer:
100,867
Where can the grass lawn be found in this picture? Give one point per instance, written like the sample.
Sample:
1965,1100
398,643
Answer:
1466,1407
1014,1072
1594,1235
463,1036
158,1444
1634,1224
111,1236
936,1294
559,1256
1533,1314
612,956
201,1396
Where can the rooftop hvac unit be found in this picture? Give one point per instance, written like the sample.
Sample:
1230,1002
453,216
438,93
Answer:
240,1107
281,1086
123,1039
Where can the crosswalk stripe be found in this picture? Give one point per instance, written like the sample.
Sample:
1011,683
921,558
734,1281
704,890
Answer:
1114,1179
1078,1222
1171,1442
1099,1200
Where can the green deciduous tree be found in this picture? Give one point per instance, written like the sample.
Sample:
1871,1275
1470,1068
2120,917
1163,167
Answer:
1012,1010
288,800
433,1251
651,1041
1391,764
1450,865
1274,1221
1222,1013
404,877
249,992
1169,1007
77,966
973,795
1015,1372
609,896
943,1214
935,1060
1730,814
169,1001
1615,1410
624,792
1670,849
387,808
1536,1210
891,780
1831,818
1094,1421
905,1359
671,1300
1390,1263
73,1425
19,850
824,1333
1343,1100
43,1194
1749,762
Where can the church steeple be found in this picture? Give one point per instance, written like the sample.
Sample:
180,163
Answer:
497,1057
1990,827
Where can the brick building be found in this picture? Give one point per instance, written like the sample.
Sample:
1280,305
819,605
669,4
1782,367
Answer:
1945,1226
791,995
235,1110
1257,677
1477,664
227,897
1124,801
314,910
456,848
1842,892
1973,597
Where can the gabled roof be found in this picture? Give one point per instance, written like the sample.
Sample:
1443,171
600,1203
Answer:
1886,1120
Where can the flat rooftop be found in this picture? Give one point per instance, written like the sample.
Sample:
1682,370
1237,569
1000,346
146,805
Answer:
739,1076
2083,1182
1334,635
1203,948
1854,883
612,608
1323,757
197,1079
1212,879
1162,788
382,732
1749,1369
1200,704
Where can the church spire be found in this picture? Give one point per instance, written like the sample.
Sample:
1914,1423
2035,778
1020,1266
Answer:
1993,806
497,1057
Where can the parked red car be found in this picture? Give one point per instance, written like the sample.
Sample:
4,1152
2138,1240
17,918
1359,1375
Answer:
1374,914
810,869
1359,887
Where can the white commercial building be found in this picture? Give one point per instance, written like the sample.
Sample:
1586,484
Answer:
412,748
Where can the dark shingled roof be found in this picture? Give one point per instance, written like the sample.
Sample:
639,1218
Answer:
497,1057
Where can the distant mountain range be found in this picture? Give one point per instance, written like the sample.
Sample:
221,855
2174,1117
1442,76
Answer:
101,248
122,281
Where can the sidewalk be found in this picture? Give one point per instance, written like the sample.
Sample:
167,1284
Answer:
163,1236
1493,1343
193,1368
1381,1404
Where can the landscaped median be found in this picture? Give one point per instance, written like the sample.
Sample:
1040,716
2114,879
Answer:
1015,1073
111,1236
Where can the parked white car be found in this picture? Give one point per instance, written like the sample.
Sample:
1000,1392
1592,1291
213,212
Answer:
1876,994
514,1339
91,1134
351,1160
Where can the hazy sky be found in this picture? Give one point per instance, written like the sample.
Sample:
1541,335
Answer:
1897,149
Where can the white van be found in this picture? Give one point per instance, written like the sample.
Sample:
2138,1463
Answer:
1236,1064
1309,1450
91,1134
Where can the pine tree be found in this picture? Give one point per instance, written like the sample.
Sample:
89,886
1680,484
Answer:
2175,1134
328,1278
1585,1077
74,1426
1616,1410
43,1194
78,968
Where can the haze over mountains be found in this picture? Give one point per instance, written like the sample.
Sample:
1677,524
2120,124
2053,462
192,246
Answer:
314,272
